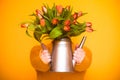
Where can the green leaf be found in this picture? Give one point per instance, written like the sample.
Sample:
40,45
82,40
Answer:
50,14
56,32
60,18
27,32
82,26
29,22
33,14
37,20
54,10
77,29
84,14
44,36
46,17
66,14
48,25
37,34
44,29
39,26
31,27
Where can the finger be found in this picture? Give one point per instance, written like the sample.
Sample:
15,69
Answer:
45,51
77,54
82,55
46,54
75,59
79,59
46,57
80,50
49,57
49,60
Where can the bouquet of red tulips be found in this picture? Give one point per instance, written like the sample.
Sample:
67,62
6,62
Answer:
56,23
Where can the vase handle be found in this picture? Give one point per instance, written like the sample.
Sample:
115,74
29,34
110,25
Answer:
82,42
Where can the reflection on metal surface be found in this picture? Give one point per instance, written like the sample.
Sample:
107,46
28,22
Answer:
62,56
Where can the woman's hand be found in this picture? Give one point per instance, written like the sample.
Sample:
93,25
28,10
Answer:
78,55
45,56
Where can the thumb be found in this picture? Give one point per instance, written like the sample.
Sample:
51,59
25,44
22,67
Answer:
43,46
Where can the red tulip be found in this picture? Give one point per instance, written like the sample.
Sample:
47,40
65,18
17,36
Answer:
54,21
39,13
88,24
59,9
40,17
67,22
89,29
80,13
68,8
74,21
25,25
44,9
75,15
42,22
67,28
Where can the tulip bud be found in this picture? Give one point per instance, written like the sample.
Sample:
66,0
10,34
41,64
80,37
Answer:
88,24
68,8
44,9
75,15
74,21
89,29
54,21
39,13
40,16
67,28
25,25
80,13
42,22
59,9
67,22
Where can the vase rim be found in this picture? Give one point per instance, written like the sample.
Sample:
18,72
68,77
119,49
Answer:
63,40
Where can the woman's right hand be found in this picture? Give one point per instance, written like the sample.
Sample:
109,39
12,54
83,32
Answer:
45,56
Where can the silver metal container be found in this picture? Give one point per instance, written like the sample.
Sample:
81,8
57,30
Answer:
62,56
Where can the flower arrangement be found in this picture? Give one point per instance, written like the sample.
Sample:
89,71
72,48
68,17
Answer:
56,23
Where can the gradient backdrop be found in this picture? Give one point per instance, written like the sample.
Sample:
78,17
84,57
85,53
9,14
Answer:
104,43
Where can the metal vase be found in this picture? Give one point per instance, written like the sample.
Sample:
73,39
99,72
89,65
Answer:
62,56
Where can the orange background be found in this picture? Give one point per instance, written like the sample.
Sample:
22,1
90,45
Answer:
104,43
